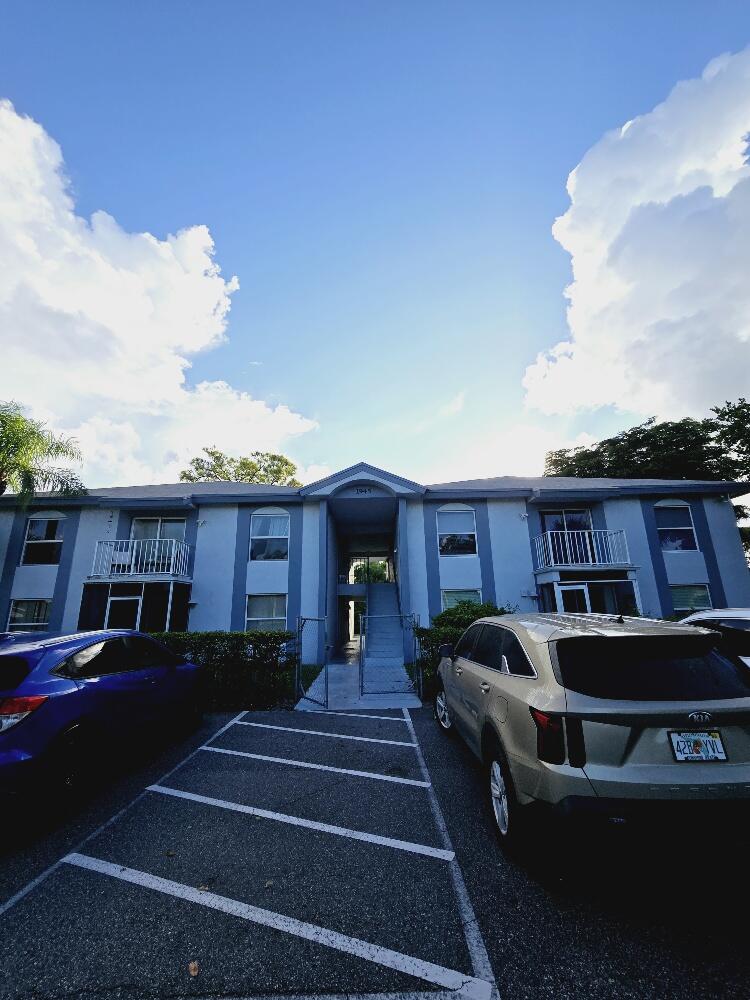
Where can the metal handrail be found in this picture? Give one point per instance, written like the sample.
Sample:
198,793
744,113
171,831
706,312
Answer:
410,622
596,547
141,557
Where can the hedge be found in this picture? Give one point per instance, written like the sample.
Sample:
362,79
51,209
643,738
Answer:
448,627
242,670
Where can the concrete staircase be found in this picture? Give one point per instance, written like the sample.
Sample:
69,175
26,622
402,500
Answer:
385,642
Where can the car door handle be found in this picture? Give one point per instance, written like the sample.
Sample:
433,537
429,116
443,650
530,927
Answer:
484,687
458,671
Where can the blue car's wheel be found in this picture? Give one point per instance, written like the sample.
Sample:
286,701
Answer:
72,761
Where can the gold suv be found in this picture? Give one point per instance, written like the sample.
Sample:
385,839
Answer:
592,712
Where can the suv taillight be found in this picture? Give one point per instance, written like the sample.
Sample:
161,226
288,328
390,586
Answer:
12,710
550,739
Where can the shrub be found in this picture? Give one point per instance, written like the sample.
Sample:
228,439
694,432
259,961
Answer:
448,627
241,669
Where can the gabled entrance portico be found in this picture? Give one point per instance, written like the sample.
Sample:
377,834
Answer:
366,587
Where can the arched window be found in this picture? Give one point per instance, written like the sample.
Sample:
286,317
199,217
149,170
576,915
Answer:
269,534
457,530
674,525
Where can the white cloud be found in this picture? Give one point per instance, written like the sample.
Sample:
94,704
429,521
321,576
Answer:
659,234
98,326
453,406
518,450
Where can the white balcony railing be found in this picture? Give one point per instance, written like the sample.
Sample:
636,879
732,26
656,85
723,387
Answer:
581,548
141,557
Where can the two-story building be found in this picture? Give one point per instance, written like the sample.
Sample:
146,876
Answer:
237,556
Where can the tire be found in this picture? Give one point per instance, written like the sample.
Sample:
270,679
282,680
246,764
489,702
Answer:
441,711
509,817
71,764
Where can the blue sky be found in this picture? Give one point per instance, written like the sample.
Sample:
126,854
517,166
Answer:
382,177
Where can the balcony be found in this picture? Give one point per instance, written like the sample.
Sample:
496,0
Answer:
124,557
587,549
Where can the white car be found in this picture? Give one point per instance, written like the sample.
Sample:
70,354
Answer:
732,623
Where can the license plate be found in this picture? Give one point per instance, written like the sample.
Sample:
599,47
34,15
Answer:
692,746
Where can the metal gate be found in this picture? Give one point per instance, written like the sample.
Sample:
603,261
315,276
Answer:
312,654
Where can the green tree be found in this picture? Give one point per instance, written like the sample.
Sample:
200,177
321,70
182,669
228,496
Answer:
376,571
258,467
672,449
28,453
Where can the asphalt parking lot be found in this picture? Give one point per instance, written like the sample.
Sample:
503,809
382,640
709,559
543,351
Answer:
306,854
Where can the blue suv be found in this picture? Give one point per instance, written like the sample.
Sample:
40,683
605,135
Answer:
64,698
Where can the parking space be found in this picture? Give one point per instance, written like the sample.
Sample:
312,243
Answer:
289,853
266,878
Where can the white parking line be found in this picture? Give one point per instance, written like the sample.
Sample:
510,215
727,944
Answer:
480,960
463,985
318,767
409,995
309,824
17,897
355,715
333,736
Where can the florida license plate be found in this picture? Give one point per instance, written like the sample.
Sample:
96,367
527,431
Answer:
692,746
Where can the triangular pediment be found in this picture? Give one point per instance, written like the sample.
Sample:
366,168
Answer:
366,474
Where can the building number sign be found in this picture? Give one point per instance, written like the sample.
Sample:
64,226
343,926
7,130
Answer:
363,491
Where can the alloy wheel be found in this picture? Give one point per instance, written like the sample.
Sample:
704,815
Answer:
499,793
441,710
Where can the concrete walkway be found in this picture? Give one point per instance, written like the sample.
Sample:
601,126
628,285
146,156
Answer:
385,687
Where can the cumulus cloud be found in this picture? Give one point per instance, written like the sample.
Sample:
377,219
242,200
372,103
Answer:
518,450
658,230
98,326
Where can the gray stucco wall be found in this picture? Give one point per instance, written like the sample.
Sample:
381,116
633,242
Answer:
6,526
628,514
310,586
95,524
331,577
511,555
730,556
417,561
213,579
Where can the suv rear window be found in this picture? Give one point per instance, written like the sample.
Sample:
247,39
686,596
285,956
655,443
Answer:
651,668
734,632
13,669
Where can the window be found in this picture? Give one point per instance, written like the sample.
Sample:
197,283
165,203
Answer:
266,612
143,652
674,524
457,532
566,520
487,644
158,527
651,668
465,645
13,670
453,597
613,598
488,648
28,616
43,542
269,536
513,651
98,660
691,597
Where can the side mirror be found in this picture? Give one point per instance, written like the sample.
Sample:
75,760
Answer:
446,651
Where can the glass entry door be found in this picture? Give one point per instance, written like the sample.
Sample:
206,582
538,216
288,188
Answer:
123,612
574,598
